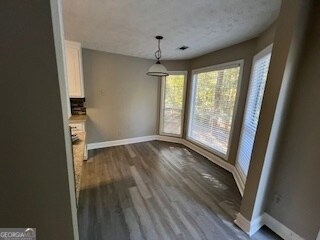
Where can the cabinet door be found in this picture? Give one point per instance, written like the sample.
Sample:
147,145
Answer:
74,71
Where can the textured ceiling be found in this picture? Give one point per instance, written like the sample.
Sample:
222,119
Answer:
128,27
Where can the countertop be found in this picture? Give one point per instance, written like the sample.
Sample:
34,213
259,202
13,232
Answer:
77,118
78,153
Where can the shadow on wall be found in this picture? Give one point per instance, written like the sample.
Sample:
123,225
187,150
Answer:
93,129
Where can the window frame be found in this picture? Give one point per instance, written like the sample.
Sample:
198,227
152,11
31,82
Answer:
267,50
216,67
163,81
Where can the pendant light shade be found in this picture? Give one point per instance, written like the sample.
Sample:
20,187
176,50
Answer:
158,69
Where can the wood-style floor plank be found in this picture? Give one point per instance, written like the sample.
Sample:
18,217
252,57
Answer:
145,218
157,190
140,183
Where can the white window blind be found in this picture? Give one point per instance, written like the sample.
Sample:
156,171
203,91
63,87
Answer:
172,102
212,106
252,109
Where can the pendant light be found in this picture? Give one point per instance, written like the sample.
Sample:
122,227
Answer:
158,69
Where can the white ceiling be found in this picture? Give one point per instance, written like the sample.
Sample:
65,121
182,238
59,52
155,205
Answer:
128,27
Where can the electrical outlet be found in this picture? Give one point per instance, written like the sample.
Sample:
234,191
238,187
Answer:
277,198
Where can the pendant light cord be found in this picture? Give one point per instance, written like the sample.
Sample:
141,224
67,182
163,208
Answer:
157,54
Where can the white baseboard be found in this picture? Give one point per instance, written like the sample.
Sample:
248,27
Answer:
238,179
256,224
265,219
98,145
249,227
242,223
210,156
318,238
170,139
279,228
213,158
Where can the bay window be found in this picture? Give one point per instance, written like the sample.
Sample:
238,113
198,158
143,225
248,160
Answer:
212,104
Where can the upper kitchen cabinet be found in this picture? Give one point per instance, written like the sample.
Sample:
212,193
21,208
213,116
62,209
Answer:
74,69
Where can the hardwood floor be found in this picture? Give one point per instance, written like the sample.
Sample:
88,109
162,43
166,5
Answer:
157,190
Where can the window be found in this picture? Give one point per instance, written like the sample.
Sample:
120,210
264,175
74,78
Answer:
172,103
214,94
252,110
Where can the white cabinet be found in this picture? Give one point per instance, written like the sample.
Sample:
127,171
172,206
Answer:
74,69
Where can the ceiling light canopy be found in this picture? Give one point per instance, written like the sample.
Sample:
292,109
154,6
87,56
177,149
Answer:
183,48
158,69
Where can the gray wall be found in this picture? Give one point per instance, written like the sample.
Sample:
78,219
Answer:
287,46
178,65
298,165
266,38
34,176
122,101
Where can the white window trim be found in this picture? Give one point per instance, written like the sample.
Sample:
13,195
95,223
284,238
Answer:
256,57
235,108
185,73
261,54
